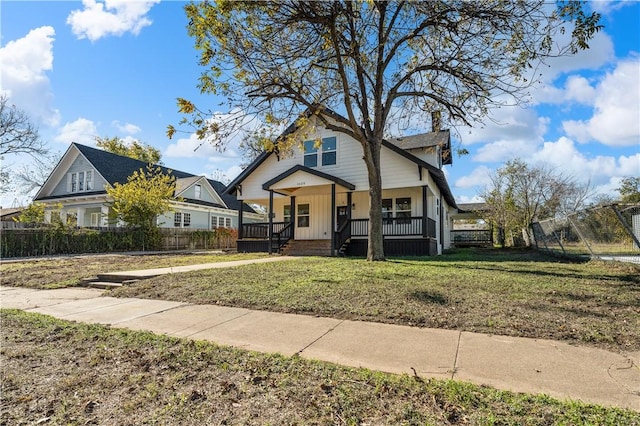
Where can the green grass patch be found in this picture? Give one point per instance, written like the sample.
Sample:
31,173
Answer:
58,372
517,293
68,271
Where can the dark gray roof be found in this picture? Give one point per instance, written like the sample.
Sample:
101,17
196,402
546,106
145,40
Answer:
117,168
472,207
423,140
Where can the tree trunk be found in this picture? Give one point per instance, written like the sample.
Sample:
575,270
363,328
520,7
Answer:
375,249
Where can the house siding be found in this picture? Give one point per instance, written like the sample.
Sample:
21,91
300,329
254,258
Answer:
205,193
80,164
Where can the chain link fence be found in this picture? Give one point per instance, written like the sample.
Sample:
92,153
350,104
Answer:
609,232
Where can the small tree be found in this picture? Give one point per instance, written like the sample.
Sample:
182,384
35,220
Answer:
34,213
520,194
145,195
136,149
629,189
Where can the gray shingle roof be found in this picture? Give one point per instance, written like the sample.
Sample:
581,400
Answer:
117,168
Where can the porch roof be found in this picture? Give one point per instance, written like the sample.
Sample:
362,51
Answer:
300,168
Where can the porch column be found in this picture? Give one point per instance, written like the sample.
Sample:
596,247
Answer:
349,207
441,225
240,220
80,216
270,229
104,216
425,213
333,219
293,217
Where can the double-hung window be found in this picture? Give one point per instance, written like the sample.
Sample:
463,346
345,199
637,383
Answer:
89,180
401,210
327,150
198,191
387,210
303,216
186,219
287,213
74,182
177,219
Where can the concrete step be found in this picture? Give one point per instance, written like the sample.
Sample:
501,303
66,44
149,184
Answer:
103,285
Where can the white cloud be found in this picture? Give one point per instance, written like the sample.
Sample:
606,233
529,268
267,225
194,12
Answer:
23,74
82,131
563,155
605,6
479,177
111,17
130,129
509,124
616,109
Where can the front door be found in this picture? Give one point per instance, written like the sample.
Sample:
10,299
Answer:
342,215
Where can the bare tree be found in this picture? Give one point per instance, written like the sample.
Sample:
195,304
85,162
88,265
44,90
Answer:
374,62
32,176
18,135
520,194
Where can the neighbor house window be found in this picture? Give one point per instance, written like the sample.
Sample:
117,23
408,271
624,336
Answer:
327,150
177,219
186,219
89,180
221,222
303,216
198,191
95,219
227,222
81,181
214,222
287,214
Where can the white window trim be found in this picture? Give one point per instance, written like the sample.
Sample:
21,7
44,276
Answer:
319,152
80,183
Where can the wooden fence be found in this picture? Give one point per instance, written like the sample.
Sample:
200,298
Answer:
46,241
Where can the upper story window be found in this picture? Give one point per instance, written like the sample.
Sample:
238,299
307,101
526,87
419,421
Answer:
198,191
81,181
327,151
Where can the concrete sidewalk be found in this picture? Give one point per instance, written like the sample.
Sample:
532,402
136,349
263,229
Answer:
517,364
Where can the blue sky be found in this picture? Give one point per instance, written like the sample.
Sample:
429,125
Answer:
114,68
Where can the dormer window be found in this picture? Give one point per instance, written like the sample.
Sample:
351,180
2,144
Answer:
327,151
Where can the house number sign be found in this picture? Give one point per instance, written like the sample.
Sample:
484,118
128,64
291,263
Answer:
302,183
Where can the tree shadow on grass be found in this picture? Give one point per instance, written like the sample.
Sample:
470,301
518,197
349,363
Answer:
427,297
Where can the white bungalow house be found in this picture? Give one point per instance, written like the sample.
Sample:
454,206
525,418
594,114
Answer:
318,201
78,184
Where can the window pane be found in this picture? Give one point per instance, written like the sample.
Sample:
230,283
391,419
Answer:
198,189
187,219
81,181
303,209
89,180
303,221
227,222
177,219
311,160
287,213
328,158
310,146
214,222
403,204
74,182
329,144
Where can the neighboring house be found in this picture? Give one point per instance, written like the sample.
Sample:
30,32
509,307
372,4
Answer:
76,190
318,199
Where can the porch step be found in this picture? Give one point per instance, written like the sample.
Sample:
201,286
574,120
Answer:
307,248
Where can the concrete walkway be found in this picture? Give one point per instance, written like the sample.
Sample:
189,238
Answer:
517,364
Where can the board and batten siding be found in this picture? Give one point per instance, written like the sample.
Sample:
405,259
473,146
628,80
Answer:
80,164
397,171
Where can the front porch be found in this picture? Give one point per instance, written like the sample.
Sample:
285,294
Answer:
408,236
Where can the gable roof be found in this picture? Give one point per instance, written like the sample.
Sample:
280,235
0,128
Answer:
116,168
415,141
301,168
441,138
